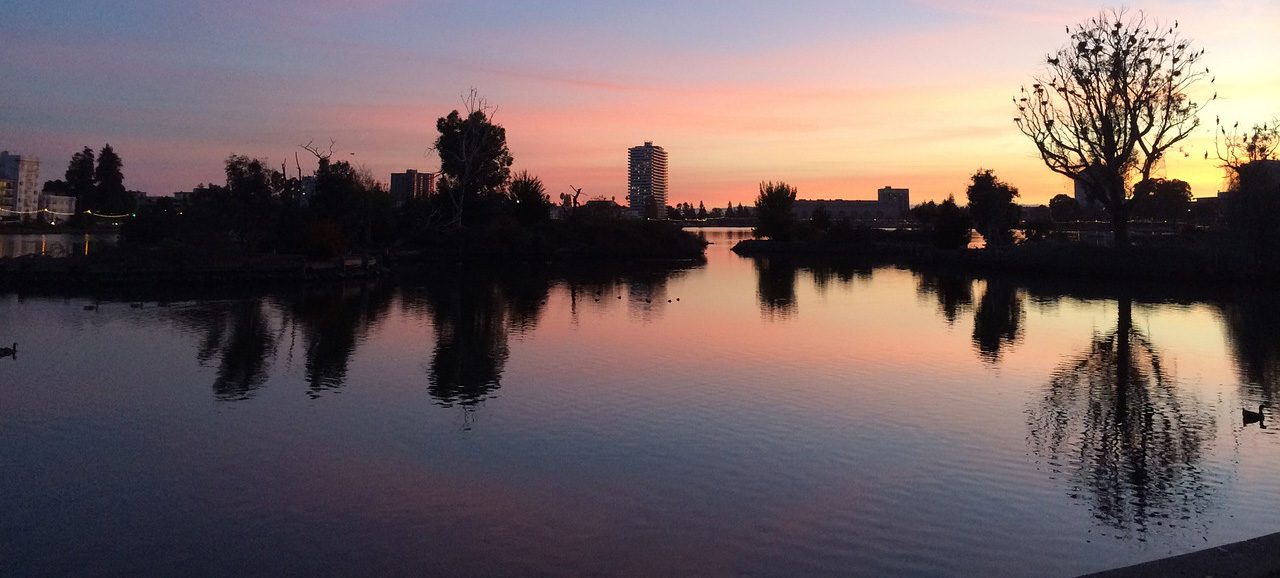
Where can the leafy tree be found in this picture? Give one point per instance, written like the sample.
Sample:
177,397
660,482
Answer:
773,211
79,175
1163,199
992,209
528,199
350,197
1064,209
111,197
475,164
56,187
951,225
1110,105
702,210
925,213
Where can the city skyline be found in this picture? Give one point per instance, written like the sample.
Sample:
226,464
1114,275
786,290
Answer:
835,98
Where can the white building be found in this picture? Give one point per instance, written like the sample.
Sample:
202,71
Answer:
647,178
56,209
22,174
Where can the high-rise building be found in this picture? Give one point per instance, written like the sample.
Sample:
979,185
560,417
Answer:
411,184
647,180
23,176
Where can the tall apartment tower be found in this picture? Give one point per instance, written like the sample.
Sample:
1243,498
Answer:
23,176
647,179
894,203
411,184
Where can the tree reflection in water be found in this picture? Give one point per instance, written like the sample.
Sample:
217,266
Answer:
776,279
953,291
332,321
1132,442
474,313
239,336
997,322
776,286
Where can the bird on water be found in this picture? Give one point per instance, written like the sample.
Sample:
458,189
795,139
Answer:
1254,416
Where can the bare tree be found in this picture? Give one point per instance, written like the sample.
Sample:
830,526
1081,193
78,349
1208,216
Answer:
1236,148
1110,105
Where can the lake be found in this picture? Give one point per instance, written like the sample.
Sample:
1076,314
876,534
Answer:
763,417
54,244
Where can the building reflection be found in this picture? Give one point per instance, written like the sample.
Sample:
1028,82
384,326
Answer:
1251,319
1114,420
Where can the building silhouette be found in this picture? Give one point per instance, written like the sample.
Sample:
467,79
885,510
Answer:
891,204
22,198
411,184
647,180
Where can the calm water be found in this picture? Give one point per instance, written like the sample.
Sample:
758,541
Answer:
734,417
54,244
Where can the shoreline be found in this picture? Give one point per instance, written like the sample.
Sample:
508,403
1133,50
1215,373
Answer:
1256,558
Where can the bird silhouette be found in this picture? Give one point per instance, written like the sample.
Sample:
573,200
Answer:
9,351
1255,416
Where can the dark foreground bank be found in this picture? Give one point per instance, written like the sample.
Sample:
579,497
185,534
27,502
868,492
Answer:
1183,262
1257,558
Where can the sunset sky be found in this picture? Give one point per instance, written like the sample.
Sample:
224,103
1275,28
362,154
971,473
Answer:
836,97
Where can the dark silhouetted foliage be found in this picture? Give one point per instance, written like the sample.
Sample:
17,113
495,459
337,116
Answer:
773,211
992,209
79,175
1162,199
475,164
1064,209
1111,103
528,199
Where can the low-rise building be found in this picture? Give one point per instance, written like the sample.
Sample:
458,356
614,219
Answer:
891,204
57,209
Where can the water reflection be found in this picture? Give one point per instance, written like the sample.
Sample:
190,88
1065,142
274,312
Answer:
997,322
1251,320
239,337
331,322
776,279
953,291
776,286
473,314
1114,419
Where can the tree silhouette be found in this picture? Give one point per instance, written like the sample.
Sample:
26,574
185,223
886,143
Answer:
951,225
1133,442
992,209
110,196
773,211
79,175
475,164
528,199
1064,209
1163,199
1110,105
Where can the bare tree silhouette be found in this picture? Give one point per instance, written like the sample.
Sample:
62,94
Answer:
1115,420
